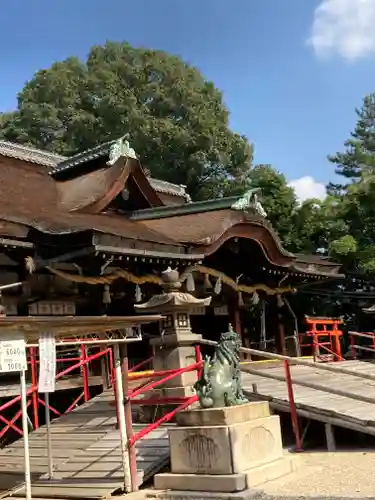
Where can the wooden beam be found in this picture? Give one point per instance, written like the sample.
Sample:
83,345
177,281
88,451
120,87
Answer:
330,437
148,253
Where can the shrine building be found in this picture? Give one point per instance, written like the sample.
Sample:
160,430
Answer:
91,235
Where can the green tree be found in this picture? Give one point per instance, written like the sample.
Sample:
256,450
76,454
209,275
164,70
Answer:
318,223
359,155
175,118
278,199
355,247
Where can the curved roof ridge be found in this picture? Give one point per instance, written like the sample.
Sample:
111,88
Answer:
29,154
48,159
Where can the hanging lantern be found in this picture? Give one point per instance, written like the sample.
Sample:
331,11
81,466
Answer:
207,282
218,286
138,293
106,295
255,299
190,283
280,301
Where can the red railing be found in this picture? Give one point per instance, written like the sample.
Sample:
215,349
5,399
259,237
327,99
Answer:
79,362
154,380
368,337
323,333
318,356
288,379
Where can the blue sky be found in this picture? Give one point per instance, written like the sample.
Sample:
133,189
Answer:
292,71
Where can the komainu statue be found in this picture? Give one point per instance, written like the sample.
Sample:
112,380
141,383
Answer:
220,381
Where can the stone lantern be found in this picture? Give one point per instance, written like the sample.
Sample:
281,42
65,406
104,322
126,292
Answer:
175,348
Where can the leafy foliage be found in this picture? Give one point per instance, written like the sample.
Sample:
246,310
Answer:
176,119
356,248
278,199
179,125
359,155
317,224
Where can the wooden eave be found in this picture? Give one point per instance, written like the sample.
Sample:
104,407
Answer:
94,191
70,326
184,209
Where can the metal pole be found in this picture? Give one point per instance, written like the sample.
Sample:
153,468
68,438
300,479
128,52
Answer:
34,383
295,332
121,417
198,359
104,369
128,418
25,429
11,285
85,373
49,436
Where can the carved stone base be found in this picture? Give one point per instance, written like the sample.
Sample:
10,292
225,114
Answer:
205,495
226,483
225,449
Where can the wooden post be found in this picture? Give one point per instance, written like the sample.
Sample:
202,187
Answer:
292,406
282,335
128,418
104,371
121,417
49,436
263,333
238,327
330,437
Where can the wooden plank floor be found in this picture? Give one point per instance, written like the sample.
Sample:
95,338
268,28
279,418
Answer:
87,446
86,449
319,405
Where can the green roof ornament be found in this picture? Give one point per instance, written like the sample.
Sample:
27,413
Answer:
121,148
249,201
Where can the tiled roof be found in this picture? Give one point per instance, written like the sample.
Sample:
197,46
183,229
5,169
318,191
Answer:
83,157
169,188
59,163
29,154
29,197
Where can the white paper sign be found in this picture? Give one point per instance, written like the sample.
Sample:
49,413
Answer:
47,363
13,356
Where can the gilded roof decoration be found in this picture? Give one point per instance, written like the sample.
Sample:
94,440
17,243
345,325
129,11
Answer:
120,149
249,201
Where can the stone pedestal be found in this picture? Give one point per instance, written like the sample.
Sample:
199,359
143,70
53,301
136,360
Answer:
224,450
174,349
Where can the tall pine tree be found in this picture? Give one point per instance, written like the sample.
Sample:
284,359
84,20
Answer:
358,158
356,165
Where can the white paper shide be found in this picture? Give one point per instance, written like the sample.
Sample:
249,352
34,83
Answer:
47,363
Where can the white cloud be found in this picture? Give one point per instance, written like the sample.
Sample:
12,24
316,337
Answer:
307,188
345,28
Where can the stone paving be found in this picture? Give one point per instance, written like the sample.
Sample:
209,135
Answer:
323,475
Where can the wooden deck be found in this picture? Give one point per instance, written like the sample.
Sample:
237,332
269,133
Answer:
86,445
346,412
86,449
